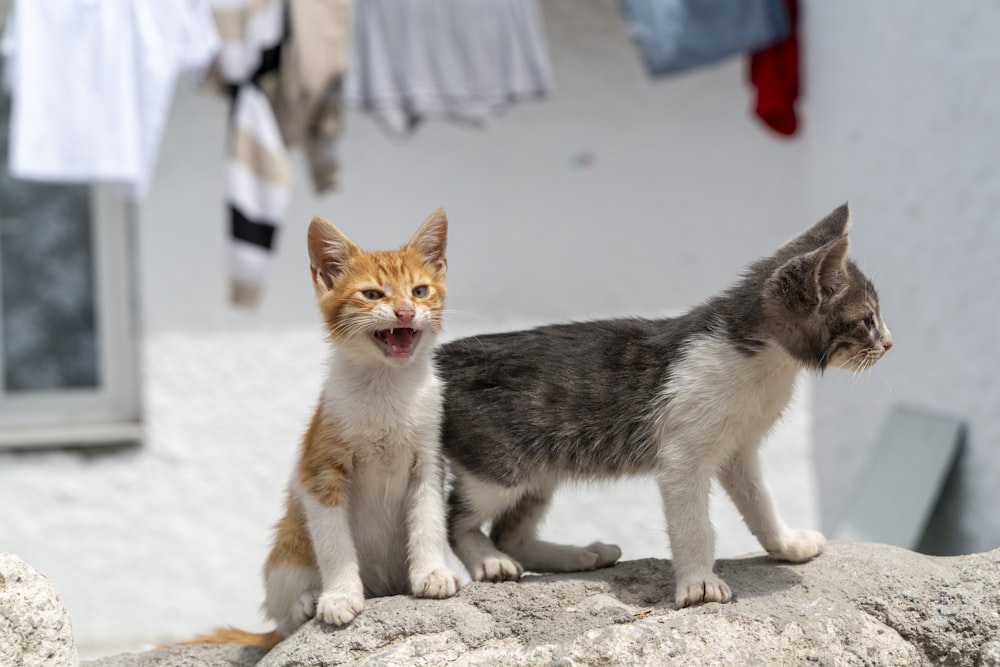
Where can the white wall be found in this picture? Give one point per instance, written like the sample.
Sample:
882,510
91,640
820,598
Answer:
685,189
903,115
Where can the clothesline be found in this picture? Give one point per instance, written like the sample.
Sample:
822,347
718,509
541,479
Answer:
284,63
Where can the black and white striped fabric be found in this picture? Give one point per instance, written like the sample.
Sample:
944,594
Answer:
258,168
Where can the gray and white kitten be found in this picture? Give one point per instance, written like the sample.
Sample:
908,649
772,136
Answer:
685,399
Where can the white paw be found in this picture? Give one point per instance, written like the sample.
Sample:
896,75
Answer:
304,608
439,583
695,590
607,554
339,608
799,546
492,568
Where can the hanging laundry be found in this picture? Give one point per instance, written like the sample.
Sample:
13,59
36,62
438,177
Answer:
774,73
454,59
92,83
677,35
282,62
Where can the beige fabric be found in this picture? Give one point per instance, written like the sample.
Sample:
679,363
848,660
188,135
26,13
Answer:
313,60
259,159
305,91
245,295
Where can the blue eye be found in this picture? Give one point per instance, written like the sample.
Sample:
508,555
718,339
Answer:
372,294
421,292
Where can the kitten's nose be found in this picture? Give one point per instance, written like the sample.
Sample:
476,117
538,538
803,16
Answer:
887,343
405,316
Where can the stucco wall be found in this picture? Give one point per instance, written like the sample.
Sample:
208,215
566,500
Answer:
903,111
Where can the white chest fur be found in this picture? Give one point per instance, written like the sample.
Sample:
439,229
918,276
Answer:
384,407
719,398
391,416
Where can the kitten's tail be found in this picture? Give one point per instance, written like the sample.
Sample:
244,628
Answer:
264,640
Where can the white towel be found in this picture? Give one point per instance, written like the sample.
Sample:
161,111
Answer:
92,83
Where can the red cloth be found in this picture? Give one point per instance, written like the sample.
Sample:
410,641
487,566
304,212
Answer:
774,72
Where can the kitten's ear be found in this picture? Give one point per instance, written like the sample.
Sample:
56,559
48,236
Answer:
431,241
829,229
329,251
806,281
835,224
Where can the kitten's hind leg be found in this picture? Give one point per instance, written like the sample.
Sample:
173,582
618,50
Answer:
515,532
742,479
465,518
291,592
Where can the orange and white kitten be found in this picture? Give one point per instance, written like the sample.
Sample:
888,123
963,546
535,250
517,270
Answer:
365,509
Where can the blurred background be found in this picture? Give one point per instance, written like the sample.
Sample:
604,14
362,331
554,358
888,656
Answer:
147,424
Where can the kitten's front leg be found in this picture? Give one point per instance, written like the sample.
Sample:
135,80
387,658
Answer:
742,479
430,576
342,596
692,542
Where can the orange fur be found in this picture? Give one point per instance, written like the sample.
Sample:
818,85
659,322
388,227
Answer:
346,280
291,538
264,640
324,462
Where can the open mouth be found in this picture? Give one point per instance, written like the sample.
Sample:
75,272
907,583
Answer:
397,343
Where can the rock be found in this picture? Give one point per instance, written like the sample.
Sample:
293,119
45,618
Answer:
858,604
34,628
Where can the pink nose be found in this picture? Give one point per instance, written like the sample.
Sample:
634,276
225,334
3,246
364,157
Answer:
405,316
887,344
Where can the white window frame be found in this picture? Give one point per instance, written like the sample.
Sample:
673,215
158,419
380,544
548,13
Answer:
110,413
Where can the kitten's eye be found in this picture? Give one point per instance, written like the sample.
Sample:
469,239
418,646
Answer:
869,321
421,291
372,294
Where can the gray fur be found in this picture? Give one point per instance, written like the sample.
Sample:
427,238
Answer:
584,400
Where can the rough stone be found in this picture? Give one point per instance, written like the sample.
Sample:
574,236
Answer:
34,628
858,604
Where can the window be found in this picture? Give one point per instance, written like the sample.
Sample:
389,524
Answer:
68,372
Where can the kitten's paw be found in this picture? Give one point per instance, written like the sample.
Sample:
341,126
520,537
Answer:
607,554
591,557
339,608
439,583
304,608
696,590
799,546
497,568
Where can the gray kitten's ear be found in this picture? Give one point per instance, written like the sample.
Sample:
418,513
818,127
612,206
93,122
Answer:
830,228
329,251
431,241
835,224
806,281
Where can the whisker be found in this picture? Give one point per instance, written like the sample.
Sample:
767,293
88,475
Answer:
463,313
888,386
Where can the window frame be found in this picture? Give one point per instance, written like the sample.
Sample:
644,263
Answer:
111,412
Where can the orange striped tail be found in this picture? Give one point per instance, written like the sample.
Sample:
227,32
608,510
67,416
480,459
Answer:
264,640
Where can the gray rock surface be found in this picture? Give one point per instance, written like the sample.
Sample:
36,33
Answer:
34,628
858,604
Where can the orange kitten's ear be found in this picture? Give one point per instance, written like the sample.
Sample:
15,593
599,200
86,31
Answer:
431,240
329,251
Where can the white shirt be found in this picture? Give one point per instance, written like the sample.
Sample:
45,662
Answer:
92,82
